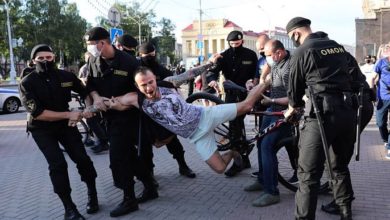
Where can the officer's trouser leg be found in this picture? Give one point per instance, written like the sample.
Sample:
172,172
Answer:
237,124
147,153
147,157
176,149
98,129
122,150
340,154
70,138
47,142
310,166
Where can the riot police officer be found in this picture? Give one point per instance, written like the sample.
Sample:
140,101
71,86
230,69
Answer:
110,75
368,97
127,43
45,93
238,64
319,69
147,58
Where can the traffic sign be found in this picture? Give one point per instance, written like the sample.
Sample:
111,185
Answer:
200,37
200,44
114,16
115,33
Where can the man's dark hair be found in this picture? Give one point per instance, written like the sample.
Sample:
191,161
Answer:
142,70
276,44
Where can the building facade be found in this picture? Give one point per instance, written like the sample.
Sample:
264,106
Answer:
213,38
373,30
198,46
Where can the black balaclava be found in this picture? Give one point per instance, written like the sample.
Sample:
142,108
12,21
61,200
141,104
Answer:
42,66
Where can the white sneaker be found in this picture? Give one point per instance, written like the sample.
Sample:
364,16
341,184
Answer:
388,155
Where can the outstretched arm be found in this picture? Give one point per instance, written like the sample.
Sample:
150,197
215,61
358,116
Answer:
192,73
124,102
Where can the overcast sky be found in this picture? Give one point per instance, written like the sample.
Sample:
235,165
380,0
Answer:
336,17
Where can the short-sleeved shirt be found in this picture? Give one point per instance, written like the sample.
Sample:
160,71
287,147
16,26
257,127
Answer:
280,73
382,68
368,71
173,112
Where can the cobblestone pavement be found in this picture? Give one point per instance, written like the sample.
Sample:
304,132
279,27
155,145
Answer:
26,191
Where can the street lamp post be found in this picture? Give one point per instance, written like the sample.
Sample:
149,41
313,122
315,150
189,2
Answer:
11,53
139,27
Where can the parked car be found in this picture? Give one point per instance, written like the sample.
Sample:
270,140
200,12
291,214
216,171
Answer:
9,100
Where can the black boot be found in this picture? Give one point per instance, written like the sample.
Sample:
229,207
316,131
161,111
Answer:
183,167
149,192
186,171
331,208
345,212
71,212
129,204
92,204
103,146
176,149
236,167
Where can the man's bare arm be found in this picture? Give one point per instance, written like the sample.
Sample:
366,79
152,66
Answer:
124,102
192,73
264,73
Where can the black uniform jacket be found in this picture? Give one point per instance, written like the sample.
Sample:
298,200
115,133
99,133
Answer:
49,91
113,78
238,66
321,63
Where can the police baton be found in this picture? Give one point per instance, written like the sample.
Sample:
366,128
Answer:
139,134
359,124
322,132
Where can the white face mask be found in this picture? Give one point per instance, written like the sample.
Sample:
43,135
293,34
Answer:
270,61
93,50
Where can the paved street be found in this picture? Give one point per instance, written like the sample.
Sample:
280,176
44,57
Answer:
26,191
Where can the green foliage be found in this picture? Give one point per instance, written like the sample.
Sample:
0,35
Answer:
132,17
166,40
53,22
58,23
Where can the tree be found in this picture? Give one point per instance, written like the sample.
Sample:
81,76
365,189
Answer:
14,14
53,22
166,39
132,17
56,23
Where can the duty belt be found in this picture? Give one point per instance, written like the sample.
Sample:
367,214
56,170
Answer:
327,102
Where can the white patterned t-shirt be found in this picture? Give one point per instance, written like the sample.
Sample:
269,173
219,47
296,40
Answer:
173,112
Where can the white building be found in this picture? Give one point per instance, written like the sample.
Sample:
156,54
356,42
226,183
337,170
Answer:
214,33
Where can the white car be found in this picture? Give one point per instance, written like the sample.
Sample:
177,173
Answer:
9,100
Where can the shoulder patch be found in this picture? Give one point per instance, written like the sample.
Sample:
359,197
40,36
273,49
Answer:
247,62
31,106
120,73
66,84
331,51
